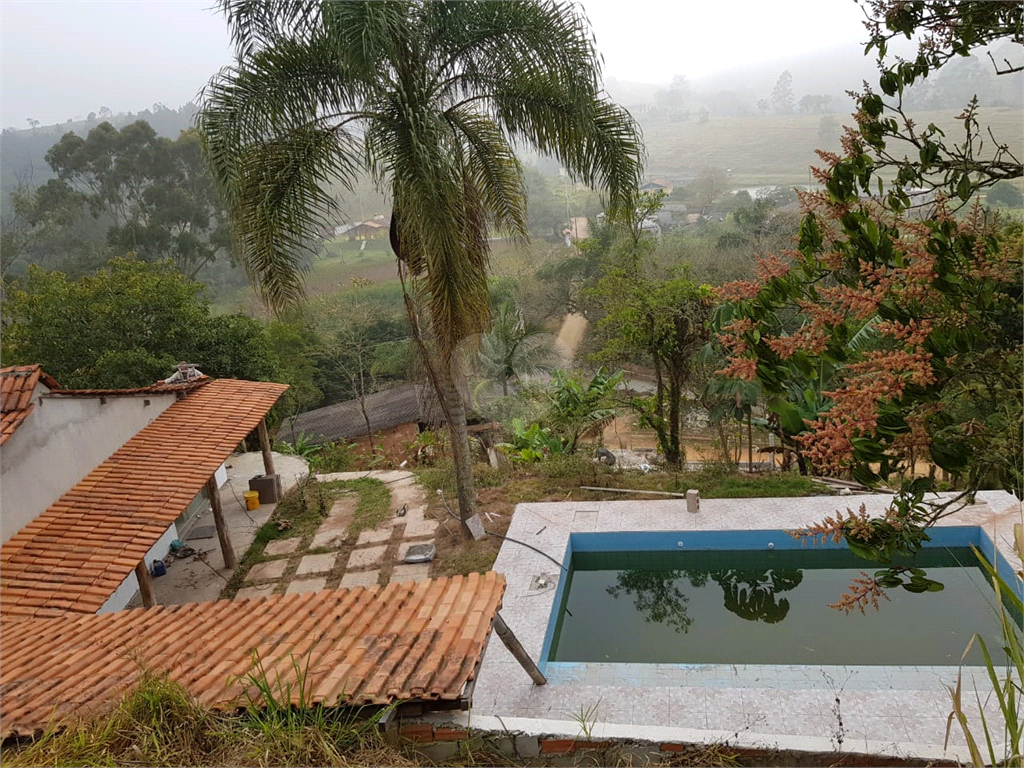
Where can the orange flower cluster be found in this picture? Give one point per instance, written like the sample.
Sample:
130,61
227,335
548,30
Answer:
835,527
771,266
863,591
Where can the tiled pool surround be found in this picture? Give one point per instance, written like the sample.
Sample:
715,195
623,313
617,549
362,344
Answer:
884,710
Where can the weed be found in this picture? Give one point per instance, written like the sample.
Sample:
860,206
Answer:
155,723
335,457
587,719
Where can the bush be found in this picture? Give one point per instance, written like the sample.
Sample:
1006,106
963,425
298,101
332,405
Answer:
571,465
334,457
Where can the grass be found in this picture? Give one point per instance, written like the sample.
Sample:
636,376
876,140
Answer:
374,504
158,723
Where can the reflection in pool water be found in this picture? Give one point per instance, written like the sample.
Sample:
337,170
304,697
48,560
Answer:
751,595
763,607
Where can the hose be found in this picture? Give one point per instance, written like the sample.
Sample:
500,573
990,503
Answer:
501,535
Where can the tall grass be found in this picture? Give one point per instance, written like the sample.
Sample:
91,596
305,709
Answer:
157,723
1003,747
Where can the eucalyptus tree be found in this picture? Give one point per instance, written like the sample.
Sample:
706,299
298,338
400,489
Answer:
430,98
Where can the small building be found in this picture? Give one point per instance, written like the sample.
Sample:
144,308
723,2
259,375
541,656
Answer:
53,437
671,215
157,451
657,185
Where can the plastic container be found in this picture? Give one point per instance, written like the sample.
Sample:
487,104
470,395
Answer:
252,499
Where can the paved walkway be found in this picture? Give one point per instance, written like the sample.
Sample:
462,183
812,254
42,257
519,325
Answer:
331,559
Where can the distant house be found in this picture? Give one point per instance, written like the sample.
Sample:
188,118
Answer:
671,215
396,414
651,227
657,185
372,229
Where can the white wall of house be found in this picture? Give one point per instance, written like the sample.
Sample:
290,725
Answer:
61,441
130,586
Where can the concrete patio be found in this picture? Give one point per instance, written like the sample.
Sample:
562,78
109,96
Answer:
202,577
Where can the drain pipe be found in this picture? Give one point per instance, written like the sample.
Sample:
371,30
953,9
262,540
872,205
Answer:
516,649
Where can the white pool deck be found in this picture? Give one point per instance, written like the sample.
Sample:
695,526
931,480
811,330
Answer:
899,711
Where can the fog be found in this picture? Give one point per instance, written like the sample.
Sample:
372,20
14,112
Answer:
62,59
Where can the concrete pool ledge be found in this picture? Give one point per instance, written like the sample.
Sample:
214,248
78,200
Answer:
899,711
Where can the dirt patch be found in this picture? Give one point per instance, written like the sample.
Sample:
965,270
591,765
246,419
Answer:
574,328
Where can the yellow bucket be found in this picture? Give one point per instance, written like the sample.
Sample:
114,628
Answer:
252,499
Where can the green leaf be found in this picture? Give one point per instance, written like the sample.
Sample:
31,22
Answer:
964,188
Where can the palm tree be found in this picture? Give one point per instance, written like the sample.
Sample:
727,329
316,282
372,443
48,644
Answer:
513,347
431,98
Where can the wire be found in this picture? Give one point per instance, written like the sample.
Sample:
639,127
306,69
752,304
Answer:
444,501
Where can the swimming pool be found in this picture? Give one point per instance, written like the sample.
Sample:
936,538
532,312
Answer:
761,597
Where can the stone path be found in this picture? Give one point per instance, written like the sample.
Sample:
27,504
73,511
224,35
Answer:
331,559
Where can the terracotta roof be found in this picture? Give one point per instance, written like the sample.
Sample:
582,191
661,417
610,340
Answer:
418,640
17,385
156,389
74,555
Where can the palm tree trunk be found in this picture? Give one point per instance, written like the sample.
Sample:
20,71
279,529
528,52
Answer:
455,411
442,376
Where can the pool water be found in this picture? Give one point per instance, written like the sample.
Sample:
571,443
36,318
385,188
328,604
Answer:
767,607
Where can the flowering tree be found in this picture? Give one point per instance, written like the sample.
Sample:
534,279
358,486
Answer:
908,322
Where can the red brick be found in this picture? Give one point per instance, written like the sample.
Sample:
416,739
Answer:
450,734
420,732
557,746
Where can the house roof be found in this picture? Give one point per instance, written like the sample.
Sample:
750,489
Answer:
17,387
76,553
160,388
403,404
417,640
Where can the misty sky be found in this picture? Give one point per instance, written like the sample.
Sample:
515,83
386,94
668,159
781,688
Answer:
66,58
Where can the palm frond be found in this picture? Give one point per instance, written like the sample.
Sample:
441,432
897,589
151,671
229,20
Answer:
596,140
494,169
279,204
260,23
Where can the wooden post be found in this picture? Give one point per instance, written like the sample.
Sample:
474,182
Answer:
268,457
218,519
145,584
517,650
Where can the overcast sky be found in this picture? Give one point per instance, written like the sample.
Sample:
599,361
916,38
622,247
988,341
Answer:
65,58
